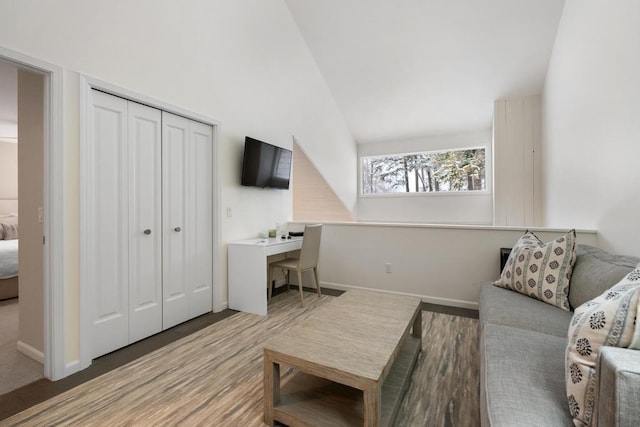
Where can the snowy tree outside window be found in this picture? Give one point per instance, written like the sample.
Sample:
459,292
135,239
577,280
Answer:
426,172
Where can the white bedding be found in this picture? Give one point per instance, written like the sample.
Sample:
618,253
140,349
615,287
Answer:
8,258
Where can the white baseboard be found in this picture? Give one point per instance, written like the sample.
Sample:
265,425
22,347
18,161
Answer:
71,368
425,298
30,352
222,306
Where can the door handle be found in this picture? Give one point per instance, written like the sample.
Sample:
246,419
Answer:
177,229
147,231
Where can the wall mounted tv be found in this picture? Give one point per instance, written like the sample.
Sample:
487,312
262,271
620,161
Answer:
265,165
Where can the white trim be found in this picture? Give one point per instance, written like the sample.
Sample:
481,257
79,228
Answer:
412,153
85,210
486,191
72,367
53,280
429,194
88,83
445,226
30,352
217,223
425,298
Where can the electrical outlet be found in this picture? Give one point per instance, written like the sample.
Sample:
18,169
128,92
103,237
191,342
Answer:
229,213
387,268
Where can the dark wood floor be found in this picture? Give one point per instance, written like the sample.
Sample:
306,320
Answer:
39,391
454,311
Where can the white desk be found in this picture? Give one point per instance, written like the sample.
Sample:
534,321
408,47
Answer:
248,271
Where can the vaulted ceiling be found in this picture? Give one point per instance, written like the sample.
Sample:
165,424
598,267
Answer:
407,68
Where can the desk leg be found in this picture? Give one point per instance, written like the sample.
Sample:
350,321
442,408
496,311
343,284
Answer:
271,387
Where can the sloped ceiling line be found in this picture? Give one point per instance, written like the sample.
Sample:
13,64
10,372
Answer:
416,67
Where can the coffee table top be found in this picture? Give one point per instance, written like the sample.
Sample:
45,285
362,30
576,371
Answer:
352,338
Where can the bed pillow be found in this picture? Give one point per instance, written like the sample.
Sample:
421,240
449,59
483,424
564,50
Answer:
541,270
608,320
9,231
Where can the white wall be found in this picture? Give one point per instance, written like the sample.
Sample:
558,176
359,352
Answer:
8,128
243,63
591,123
440,264
30,175
470,208
8,170
8,101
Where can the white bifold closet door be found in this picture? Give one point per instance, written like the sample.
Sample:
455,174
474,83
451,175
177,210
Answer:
108,248
151,238
145,221
186,216
127,242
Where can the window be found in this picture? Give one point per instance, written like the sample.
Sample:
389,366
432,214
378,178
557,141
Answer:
426,172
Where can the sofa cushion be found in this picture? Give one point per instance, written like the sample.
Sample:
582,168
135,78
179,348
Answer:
595,272
608,320
500,306
541,270
522,378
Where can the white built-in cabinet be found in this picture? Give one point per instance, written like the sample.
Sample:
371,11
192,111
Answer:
150,254
517,177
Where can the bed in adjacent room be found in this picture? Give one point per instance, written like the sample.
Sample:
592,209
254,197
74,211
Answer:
8,269
8,249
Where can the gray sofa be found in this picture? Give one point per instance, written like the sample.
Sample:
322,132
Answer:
522,353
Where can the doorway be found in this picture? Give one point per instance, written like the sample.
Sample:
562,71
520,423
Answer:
44,334
21,206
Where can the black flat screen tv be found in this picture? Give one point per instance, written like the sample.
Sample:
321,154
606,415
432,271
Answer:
265,165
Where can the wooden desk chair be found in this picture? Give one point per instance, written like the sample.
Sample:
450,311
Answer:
308,259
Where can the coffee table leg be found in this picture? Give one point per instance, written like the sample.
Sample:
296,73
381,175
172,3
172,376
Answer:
417,326
371,406
271,388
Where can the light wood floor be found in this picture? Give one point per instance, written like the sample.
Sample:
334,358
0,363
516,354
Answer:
214,377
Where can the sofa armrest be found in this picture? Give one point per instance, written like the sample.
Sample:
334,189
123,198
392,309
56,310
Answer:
619,387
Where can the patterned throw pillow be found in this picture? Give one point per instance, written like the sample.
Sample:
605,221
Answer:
608,320
1,231
541,270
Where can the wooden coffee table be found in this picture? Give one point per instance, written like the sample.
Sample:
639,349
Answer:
353,360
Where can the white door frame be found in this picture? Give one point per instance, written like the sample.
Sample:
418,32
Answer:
88,83
53,249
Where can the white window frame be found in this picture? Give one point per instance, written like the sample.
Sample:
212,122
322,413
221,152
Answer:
449,193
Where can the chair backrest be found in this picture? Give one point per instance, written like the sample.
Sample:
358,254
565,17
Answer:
310,246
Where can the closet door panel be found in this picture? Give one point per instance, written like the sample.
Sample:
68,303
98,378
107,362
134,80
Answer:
145,232
200,236
107,251
175,167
